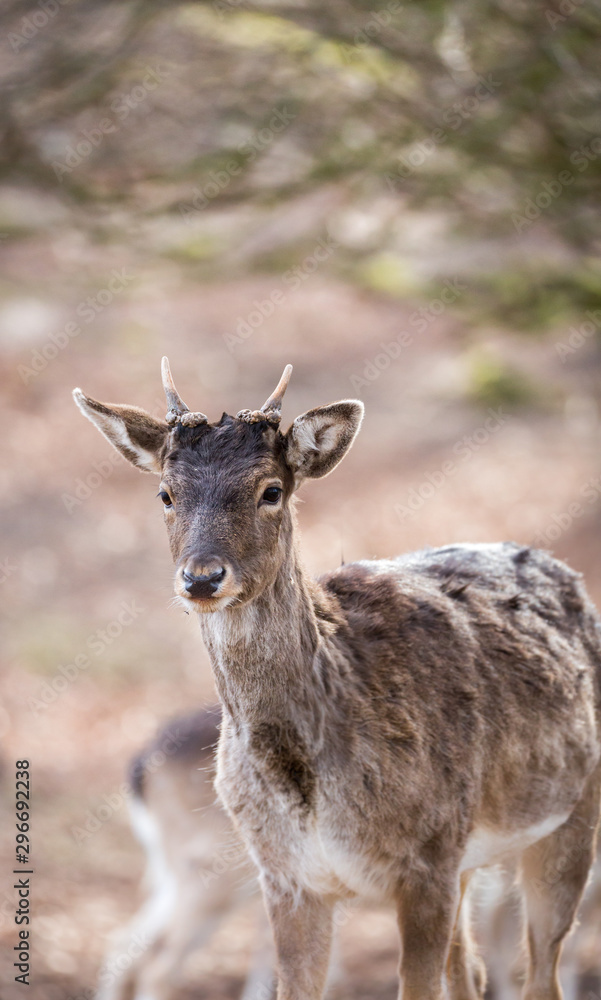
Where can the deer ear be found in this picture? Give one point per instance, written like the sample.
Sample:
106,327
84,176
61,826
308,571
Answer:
320,438
138,436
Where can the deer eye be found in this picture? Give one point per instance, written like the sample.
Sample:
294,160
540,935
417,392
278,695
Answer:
165,498
272,494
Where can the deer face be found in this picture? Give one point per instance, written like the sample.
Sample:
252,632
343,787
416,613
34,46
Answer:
227,487
226,490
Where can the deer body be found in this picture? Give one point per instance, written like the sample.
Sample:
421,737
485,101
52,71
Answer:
375,758
391,727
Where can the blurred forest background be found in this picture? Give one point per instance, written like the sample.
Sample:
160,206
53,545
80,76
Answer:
401,199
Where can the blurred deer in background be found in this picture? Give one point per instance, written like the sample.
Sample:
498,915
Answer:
500,924
391,727
197,870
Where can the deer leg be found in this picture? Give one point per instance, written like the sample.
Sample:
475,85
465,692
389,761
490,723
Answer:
194,919
503,931
260,981
427,913
143,941
555,872
466,973
302,930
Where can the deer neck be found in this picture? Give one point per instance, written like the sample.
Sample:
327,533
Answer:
265,654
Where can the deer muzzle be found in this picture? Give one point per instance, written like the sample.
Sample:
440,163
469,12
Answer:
203,584
206,581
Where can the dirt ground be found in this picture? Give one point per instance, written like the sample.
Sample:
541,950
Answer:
82,538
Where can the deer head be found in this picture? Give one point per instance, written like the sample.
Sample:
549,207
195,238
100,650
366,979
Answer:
227,487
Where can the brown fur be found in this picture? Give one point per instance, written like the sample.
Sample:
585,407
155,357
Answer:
393,725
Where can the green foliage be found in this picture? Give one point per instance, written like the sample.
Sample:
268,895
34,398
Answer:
531,299
492,382
472,111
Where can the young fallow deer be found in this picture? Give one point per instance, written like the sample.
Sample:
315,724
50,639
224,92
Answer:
391,727
197,869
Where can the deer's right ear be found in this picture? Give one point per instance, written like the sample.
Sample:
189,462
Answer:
138,436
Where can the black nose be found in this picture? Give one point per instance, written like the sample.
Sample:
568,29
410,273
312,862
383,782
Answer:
203,585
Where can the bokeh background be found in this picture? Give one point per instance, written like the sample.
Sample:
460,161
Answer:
401,199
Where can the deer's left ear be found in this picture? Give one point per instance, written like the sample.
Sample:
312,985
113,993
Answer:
138,436
320,438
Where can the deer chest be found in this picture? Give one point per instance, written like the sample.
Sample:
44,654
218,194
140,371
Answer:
276,802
